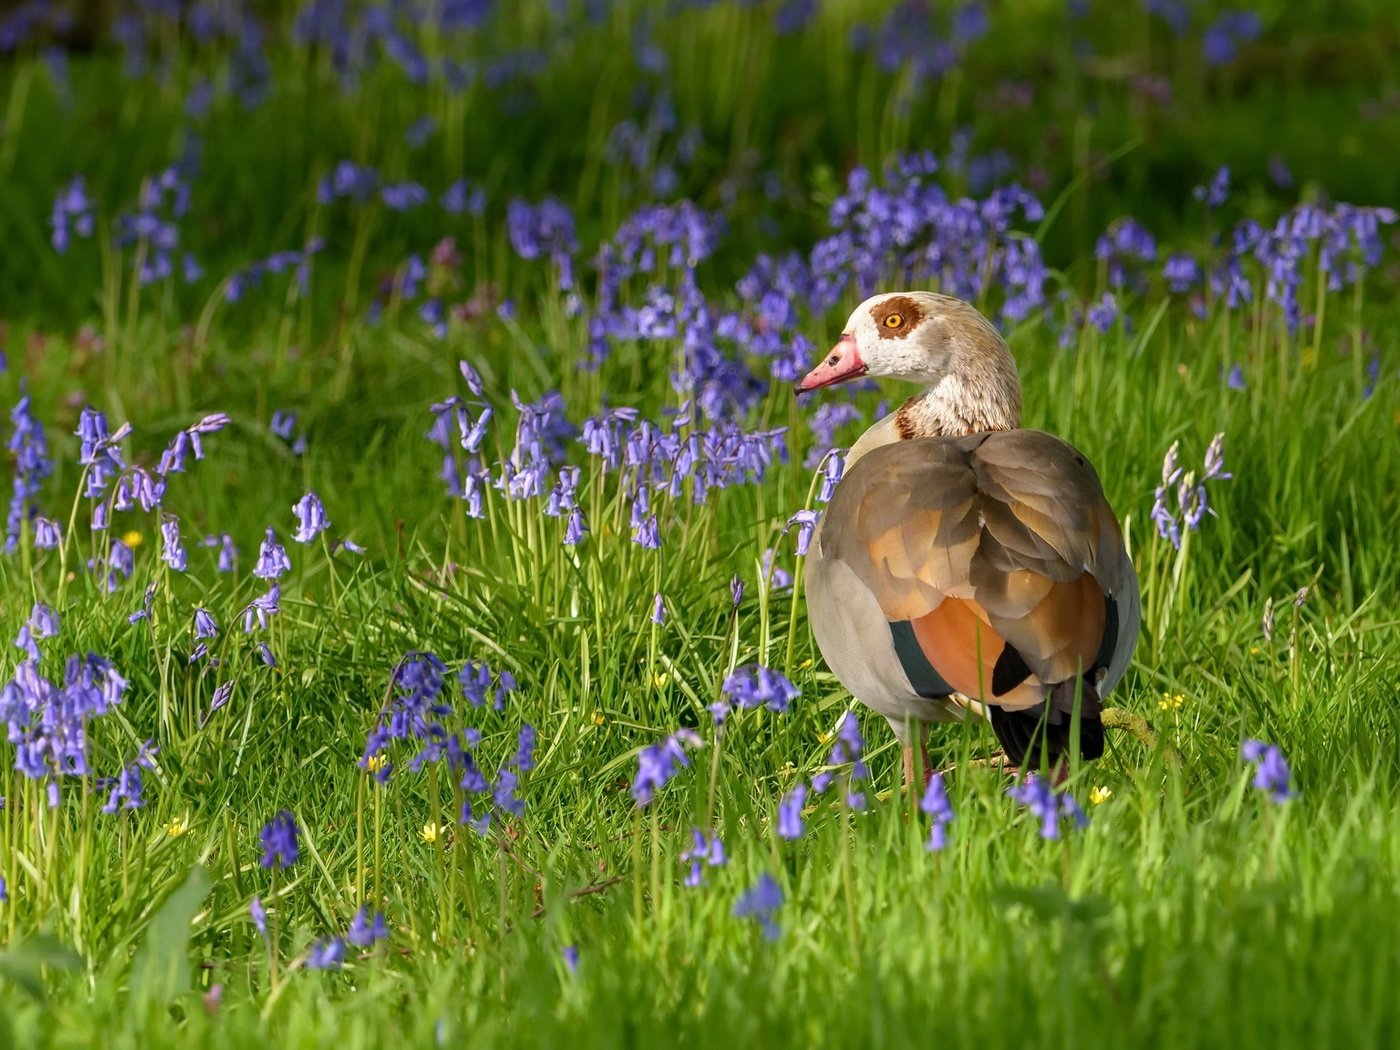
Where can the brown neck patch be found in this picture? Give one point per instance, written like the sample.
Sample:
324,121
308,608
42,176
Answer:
896,316
904,421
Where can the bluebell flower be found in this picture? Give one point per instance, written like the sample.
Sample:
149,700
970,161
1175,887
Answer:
1103,313
222,695
806,522
258,913
754,685
47,535
790,812
44,620
777,578
279,841
147,604
73,212
503,793
403,196
1045,803
475,679
658,763
1271,775
25,641
658,609
848,747
940,812
349,181
570,955
327,954
704,850
524,759
576,528
204,624
1182,272
272,559
1217,191
283,424
1222,38
762,902
126,786
311,518
461,196
833,468
265,654
544,229
172,551
256,612
365,932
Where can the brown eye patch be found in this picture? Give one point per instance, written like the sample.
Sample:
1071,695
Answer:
896,316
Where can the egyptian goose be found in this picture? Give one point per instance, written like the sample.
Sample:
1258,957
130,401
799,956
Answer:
964,563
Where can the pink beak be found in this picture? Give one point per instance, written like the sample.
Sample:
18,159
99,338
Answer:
841,364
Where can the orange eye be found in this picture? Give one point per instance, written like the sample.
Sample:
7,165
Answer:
893,321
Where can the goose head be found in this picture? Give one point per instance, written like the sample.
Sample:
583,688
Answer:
937,341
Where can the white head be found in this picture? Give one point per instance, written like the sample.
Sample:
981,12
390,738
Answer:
934,340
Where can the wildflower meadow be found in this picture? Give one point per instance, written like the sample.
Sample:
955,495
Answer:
402,580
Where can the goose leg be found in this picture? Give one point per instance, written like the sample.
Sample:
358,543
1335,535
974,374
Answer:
914,780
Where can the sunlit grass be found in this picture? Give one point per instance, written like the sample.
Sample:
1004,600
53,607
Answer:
1190,911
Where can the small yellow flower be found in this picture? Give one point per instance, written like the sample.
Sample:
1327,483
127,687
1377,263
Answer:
376,763
1254,650
824,738
431,832
660,678
132,538
177,827
598,718
1100,795
1171,702
806,663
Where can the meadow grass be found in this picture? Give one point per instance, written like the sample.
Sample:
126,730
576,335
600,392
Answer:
1191,910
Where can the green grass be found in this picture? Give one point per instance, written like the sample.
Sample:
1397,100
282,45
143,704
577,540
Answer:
1190,911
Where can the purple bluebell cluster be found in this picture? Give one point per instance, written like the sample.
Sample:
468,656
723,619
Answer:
280,840
365,930
311,518
847,749
326,954
72,214
1223,37
653,465
920,39
124,790
704,850
939,810
47,723
1192,497
790,812
658,763
419,714
754,685
761,903
1271,773
295,261
152,229
1047,805
1344,239
30,447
